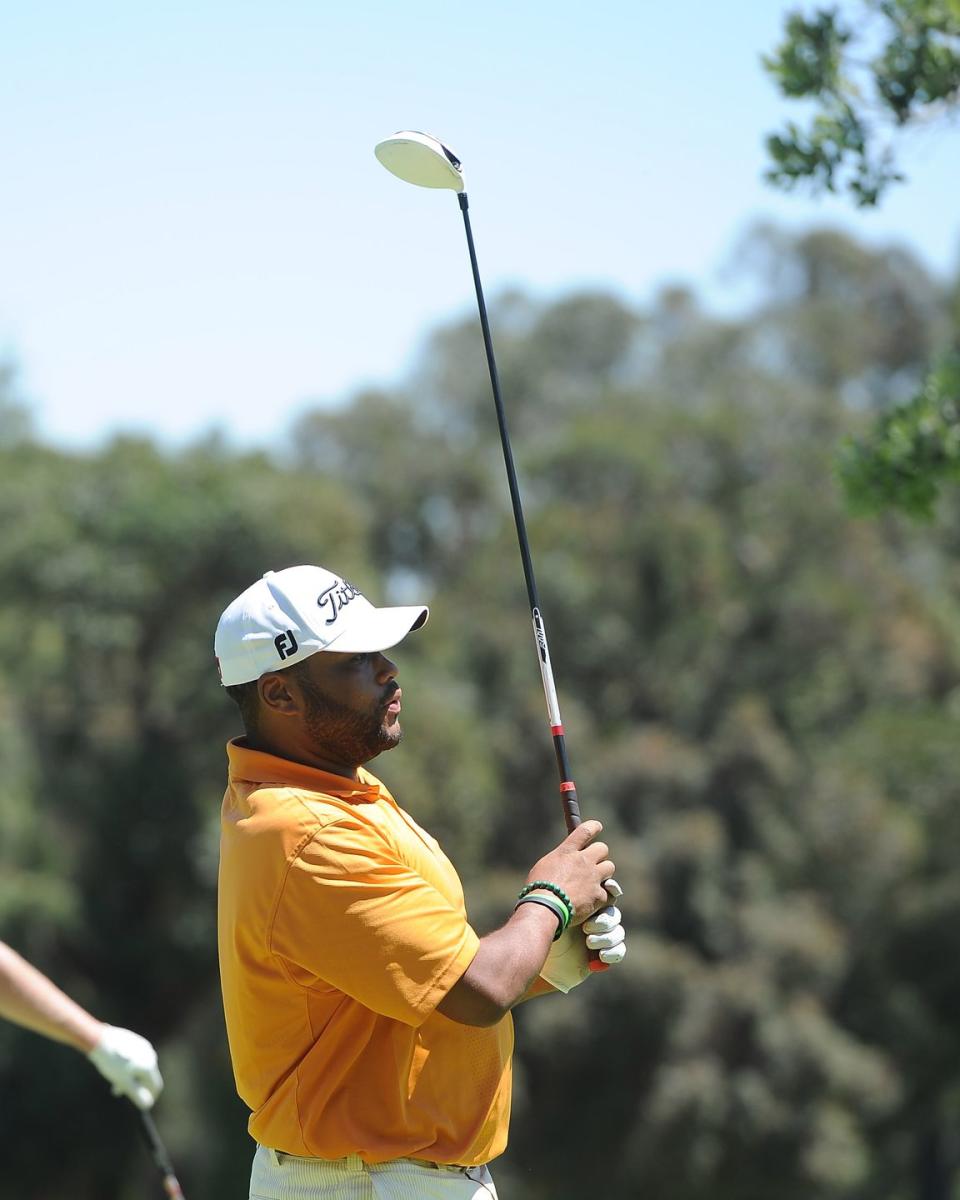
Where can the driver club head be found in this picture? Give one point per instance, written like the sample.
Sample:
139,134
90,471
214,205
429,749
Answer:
421,159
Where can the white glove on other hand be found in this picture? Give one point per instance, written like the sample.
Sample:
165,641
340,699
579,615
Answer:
129,1064
567,963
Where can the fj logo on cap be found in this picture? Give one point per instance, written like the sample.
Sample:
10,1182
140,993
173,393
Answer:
286,644
332,599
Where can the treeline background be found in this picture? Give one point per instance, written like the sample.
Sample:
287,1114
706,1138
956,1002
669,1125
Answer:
761,694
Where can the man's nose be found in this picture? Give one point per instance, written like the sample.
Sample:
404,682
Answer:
385,668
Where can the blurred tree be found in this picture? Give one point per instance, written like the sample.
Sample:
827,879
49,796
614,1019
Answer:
840,315
704,533
758,692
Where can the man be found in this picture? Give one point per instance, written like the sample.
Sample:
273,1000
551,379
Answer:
126,1060
369,1026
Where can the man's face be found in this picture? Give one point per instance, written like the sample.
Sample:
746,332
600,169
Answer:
351,705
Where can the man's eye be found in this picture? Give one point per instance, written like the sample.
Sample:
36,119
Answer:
358,660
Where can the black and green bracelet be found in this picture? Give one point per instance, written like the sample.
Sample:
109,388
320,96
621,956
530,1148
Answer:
547,886
556,906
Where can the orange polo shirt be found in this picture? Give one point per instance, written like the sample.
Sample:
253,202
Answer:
341,927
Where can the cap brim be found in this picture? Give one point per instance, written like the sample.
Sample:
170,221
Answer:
380,629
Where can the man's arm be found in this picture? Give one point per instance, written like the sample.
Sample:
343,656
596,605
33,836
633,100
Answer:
29,998
505,969
507,963
126,1060
567,963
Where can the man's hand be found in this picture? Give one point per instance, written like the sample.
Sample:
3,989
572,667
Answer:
129,1063
579,865
567,963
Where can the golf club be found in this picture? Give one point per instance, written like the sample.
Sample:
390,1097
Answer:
421,159
171,1185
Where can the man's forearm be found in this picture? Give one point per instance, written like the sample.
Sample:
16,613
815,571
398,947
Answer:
504,970
30,999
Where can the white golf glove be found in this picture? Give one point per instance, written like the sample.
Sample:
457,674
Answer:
129,1064
567,963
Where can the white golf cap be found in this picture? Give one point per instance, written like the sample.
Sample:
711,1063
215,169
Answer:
288,615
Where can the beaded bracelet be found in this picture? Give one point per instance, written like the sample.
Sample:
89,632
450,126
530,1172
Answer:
555,906
549,887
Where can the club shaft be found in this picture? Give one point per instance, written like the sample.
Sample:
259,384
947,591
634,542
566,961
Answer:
171,1185
568,791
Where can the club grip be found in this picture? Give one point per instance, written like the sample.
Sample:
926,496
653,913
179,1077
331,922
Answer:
571,814
571,806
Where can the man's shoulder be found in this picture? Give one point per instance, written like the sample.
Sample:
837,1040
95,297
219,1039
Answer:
273,806
282,816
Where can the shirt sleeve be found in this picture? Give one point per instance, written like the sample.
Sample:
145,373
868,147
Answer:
355,916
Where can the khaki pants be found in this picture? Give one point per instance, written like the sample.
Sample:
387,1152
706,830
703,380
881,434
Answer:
278,1176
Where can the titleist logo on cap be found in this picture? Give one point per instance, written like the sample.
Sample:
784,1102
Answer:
334,598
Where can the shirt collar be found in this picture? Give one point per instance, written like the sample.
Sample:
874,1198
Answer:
256,766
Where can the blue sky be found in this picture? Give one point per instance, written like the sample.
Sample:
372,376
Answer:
194,232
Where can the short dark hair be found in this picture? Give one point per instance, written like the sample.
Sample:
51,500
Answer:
247,698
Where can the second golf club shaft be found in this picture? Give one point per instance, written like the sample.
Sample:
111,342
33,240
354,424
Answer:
171,1185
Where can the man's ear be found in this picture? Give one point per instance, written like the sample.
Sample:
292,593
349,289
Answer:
277,695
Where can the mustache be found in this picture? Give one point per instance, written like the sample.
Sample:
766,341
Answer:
389,694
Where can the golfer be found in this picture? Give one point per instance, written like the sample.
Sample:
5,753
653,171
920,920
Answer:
126,1060
369,1025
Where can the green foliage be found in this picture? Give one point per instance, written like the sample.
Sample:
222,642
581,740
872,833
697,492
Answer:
809,61
759,692
913,71
910,453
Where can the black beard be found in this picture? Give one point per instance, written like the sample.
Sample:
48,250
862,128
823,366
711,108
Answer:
343,734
